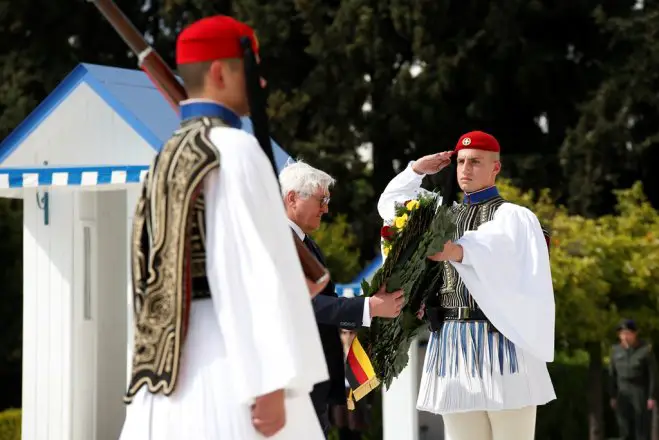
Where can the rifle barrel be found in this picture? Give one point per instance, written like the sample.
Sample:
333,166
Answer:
148,59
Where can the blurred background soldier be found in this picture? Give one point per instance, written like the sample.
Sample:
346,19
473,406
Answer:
633,373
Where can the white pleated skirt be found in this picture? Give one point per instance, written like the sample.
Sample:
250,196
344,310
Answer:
468,368
202,407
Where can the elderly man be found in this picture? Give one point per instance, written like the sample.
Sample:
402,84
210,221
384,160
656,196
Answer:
306,197
633,371
492,321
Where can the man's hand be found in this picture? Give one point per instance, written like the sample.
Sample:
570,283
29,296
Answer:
386,304
433,163
451,252
651,404
269,414
612,402
315,289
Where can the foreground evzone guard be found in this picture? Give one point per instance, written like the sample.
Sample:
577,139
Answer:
492,321
226,345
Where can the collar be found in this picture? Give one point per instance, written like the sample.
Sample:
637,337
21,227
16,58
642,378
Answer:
199,108
297,229
480,196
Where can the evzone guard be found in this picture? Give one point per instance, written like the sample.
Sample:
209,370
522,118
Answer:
226,345
492,321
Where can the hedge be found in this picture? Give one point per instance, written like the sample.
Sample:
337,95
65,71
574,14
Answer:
10,424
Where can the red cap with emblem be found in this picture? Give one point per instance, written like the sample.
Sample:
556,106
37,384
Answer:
213,38
477,140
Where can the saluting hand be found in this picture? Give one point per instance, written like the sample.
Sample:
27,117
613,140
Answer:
269,413
433,163
386,304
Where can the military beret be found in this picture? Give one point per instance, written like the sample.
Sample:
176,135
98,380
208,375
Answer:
477,140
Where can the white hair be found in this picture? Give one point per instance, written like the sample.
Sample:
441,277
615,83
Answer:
303,179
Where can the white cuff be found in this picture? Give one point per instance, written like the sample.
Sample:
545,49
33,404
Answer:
465,253
366,315
412,172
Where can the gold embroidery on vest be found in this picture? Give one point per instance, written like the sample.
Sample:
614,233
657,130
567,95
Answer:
167,249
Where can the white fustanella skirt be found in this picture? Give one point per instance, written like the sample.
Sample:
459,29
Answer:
468,368
202,407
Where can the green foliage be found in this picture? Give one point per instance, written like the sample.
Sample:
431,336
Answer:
442,230
10,424
338,243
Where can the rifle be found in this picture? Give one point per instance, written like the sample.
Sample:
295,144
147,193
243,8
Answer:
164,79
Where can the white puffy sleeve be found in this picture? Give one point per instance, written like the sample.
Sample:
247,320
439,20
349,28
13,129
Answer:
405,186
256,281
506,269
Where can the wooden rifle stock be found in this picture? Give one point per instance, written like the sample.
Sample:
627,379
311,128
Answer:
164,79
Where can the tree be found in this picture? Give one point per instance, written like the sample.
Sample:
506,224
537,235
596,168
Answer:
616,140
339,246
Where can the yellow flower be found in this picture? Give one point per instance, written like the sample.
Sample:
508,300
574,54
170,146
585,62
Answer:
386,247
400,221
412,205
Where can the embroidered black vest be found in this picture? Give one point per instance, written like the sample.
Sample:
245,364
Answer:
469,216
168,254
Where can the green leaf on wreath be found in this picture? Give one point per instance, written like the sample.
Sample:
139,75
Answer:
394,282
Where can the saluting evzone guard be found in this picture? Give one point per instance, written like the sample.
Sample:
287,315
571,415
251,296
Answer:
492,321
226,346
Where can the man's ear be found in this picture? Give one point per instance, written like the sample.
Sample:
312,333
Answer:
497,167
290,197
216,73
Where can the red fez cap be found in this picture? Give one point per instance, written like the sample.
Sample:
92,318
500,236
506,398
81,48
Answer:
477,140
213,38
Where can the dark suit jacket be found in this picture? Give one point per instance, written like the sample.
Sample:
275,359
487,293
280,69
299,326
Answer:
333,313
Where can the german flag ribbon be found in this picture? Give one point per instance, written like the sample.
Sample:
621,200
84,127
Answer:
360,373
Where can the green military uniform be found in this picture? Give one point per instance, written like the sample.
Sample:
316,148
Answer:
633,381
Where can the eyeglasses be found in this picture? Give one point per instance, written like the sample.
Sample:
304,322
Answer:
324,201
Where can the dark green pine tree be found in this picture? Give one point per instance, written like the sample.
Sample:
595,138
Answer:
41,42
616,139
